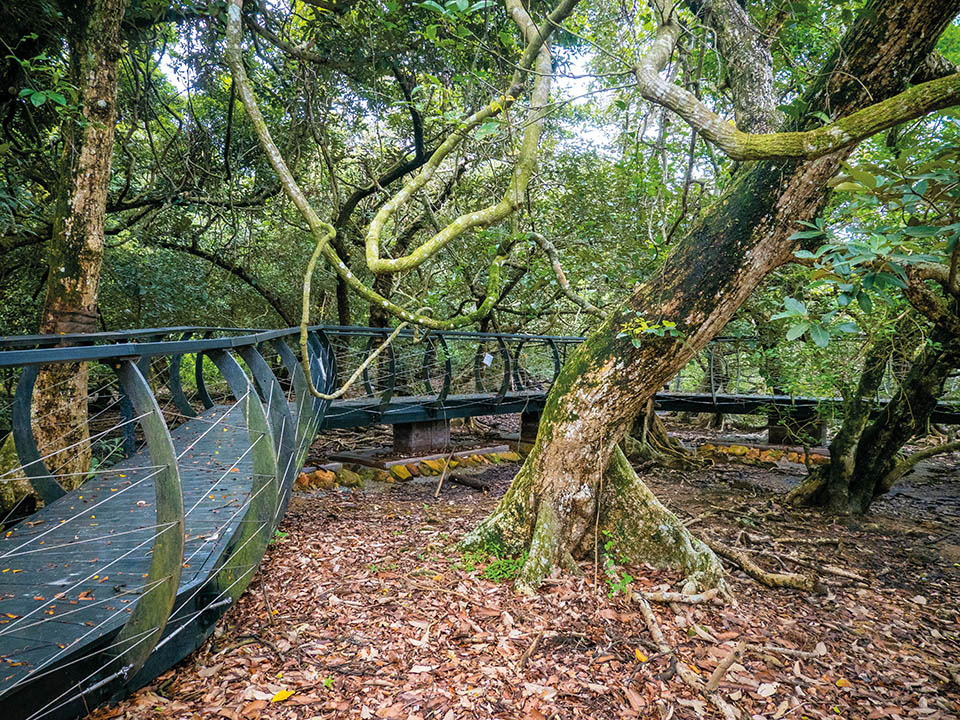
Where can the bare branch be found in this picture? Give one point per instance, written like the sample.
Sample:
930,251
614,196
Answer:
568,292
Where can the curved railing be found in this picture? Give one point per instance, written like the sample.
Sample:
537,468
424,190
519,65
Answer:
196,436
234,435
188,441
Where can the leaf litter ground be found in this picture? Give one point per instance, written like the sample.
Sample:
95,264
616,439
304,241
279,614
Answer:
363,608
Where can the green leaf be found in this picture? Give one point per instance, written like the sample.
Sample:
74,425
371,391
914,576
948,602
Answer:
921,231
862,177
794,306
804,254
797,330
890,279
804,234
57,98
848,327
38,98
822,117
819,335
866,304
433,5
490,127
850,187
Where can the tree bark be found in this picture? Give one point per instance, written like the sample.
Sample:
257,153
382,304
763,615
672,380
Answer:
904,417
75,250
551,509
829,487
863,456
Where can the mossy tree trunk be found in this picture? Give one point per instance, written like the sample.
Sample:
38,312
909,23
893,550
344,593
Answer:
864,454
576,479
75,250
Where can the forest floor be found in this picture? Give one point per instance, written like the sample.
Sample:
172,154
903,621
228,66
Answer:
364,608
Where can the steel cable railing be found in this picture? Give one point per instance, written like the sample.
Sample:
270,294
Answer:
199,433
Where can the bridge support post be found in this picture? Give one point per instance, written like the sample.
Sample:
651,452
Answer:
792,428
529,426
417,438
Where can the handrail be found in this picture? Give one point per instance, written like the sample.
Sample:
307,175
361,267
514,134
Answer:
128,350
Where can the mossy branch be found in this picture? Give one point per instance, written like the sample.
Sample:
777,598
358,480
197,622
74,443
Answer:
915,102
536,55
905,466
324,232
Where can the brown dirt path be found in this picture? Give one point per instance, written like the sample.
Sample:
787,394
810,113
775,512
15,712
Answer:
366,610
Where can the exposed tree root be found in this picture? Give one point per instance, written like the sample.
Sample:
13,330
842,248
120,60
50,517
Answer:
686,674
649,441
675,597
632,525
773,580
809,491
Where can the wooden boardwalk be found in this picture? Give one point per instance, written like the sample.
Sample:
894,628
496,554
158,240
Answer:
71,574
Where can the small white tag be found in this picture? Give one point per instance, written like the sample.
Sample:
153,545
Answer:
488,359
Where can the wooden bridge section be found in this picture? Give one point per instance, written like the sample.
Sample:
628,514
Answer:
197,435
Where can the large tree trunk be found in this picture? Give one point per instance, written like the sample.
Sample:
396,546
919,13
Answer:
551,510
648,441
75,251
863,456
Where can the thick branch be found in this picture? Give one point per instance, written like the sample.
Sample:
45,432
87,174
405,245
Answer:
535,55
323,232
911,462
929,304
845,132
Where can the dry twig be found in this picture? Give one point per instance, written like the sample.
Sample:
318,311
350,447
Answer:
685,673
714,682
529,651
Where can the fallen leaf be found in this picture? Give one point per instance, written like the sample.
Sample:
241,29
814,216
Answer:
252,710
635,700
281,696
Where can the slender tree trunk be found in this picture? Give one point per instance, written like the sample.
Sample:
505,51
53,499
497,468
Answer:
75,250
863,456
829,487
552,508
